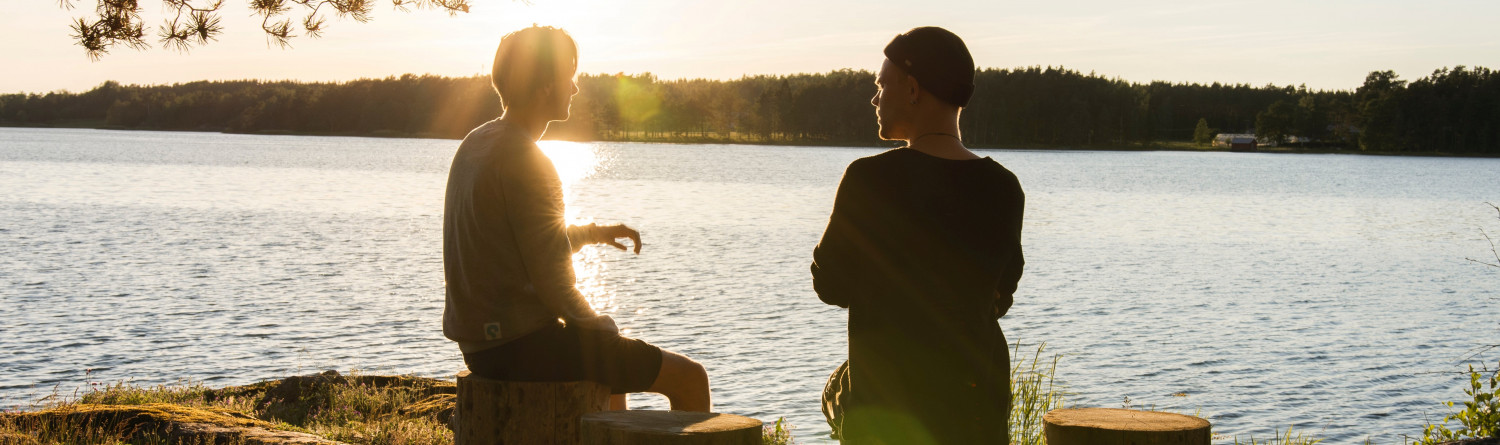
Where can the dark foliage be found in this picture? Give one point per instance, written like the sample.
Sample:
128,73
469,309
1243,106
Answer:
1454,110
196,22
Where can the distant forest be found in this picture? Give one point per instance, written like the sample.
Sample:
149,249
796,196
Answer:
1452,110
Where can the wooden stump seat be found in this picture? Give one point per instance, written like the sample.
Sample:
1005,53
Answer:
1110,426
490,412
643,427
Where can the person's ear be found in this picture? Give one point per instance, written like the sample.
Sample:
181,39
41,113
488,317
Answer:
911,82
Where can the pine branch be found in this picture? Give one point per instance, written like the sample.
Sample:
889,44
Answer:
197,22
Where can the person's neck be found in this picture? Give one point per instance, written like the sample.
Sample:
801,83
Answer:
939,138
527,122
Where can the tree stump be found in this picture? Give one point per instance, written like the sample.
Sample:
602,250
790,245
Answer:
642,427
1109,426
492,412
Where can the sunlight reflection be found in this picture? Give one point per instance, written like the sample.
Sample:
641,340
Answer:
590,268
575,162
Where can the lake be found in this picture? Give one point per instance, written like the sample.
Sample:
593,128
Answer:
1326,292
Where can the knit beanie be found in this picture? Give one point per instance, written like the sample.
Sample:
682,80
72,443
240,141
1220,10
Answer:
938,59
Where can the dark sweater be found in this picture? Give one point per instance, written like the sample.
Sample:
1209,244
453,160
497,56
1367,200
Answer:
924,252
507,259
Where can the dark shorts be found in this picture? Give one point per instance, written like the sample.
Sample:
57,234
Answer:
559,354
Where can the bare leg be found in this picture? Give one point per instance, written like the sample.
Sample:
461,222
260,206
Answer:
683,381
617,402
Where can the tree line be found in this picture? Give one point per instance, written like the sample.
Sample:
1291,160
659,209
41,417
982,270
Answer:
1452,110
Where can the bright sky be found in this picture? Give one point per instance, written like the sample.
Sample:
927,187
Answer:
1326,44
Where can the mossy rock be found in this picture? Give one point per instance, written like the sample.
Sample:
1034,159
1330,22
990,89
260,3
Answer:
174,423
292,390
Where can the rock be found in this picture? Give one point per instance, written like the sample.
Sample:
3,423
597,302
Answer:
292,389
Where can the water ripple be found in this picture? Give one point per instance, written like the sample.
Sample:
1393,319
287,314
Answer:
1266,291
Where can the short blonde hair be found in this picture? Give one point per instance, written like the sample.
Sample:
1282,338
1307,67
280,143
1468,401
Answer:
528,59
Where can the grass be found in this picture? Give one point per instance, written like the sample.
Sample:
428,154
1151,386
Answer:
356,409
371,410
1282,439
1033,392
777,433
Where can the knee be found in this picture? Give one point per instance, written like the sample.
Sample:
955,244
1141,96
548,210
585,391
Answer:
694,372
699,373
687,371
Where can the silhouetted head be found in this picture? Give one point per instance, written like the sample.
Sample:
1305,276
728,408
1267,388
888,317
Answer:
534,70
926,70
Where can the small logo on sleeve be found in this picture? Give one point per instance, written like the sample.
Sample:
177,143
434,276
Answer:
491,331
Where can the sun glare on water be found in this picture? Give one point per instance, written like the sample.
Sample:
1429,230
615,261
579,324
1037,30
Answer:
575,162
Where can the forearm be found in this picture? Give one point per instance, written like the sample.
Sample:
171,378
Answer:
829,289
835,256
1003,302
566,302
579,236
549,266
830,281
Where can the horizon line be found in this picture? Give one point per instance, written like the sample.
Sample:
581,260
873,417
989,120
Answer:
1064,68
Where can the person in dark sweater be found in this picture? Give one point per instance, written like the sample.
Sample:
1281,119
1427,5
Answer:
512,304
924,248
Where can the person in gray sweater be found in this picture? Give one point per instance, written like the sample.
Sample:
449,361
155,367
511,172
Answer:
511,302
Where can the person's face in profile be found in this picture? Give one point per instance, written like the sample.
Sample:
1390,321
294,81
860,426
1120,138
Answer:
892,101
559,97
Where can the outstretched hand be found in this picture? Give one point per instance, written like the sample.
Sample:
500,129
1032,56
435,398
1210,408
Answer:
611,235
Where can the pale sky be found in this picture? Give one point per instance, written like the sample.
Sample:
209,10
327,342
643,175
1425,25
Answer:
1323,44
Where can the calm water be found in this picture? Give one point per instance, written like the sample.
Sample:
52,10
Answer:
1325,292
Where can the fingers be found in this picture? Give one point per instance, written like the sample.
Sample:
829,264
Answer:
635,237
623,231
614,232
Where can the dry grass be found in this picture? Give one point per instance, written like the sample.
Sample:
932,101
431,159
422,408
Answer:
355,409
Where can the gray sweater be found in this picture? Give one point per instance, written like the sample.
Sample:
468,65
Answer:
507,259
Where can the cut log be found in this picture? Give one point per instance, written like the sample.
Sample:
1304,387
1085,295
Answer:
495,412
1110,426
643,427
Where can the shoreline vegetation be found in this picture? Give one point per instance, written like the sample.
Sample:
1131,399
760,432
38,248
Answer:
1449,112
347,408
353,408
740,139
